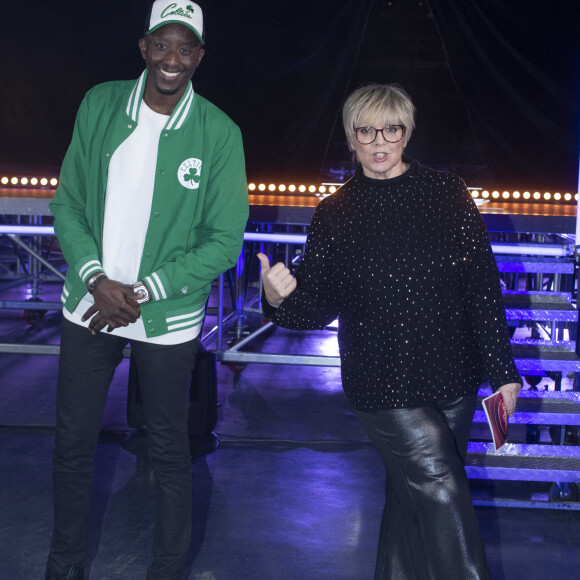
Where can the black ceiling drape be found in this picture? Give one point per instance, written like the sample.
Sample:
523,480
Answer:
279,69
517,68
282,71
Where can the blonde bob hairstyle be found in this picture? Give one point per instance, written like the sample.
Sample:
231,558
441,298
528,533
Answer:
380,104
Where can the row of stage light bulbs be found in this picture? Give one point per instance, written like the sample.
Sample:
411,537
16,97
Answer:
536,196
53,182
42,181
324,189
327,189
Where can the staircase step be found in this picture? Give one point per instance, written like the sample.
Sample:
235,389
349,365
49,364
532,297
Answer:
540,408
570,344
539,307
534,265
573,396
531,358
520,462
566,295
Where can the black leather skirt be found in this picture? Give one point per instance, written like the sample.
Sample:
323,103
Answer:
429,530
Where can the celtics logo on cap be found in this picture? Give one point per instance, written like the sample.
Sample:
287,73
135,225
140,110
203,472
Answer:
174,10
189,173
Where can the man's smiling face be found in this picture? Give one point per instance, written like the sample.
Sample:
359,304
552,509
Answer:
172,53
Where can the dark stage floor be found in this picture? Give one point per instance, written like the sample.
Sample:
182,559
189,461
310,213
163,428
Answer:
294,492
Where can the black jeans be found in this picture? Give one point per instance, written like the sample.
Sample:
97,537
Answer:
429,530
87,365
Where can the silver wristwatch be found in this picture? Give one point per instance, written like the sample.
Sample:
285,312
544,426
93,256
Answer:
140,288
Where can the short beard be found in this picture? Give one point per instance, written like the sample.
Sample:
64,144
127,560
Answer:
168,91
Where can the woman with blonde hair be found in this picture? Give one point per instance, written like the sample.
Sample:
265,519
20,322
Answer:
402,257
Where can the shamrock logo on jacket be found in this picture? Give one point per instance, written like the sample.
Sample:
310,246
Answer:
189,173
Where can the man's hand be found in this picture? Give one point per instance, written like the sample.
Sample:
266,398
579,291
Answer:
115,305
509,393
277,280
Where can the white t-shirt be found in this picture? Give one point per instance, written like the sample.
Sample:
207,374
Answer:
127,209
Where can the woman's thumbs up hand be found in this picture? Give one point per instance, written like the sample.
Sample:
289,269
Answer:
277,280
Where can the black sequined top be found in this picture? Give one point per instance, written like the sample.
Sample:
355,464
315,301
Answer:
406,265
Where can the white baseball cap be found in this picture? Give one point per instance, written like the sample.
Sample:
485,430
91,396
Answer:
177,11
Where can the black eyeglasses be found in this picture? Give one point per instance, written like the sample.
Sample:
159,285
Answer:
390,133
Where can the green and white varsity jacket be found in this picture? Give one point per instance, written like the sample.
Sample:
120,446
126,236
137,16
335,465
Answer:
198,212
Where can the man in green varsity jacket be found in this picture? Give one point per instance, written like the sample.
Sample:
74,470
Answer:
151,207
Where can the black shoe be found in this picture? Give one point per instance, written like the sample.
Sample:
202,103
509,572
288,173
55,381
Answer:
73,573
